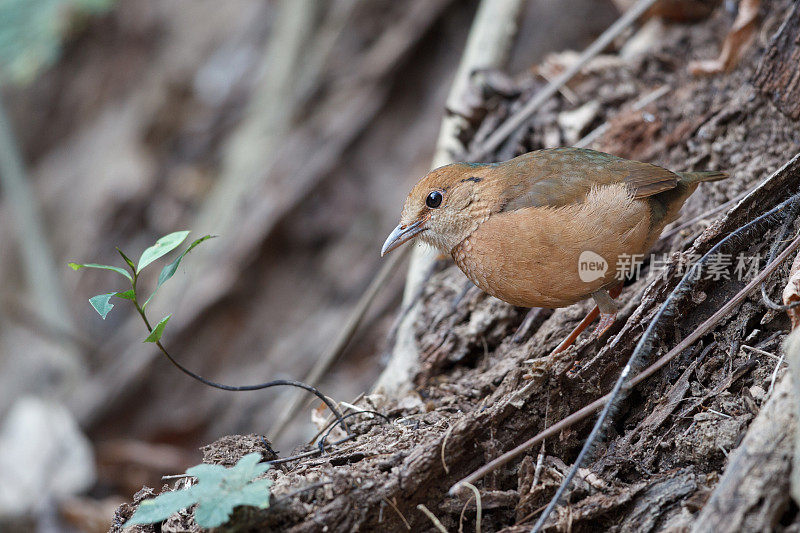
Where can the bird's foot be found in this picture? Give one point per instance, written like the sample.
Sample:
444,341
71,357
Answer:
570,339
605,308
606,321
608,310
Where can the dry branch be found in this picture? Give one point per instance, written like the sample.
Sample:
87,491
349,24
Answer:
488,46
778,74
518,119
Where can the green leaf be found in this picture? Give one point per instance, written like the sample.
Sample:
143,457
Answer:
102,303
78,266
209,473
217,492
247,468
162,507
215,510
220,491
163,246
155,335
127,295
169,270
127,260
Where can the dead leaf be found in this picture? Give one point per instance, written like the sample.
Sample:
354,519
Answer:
736,42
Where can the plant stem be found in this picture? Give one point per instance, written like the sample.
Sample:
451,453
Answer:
274,383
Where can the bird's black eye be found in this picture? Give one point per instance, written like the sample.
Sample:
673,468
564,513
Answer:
434,199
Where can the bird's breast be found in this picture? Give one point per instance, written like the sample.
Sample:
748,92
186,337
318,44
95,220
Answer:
554,257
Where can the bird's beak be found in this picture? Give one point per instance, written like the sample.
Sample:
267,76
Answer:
403,233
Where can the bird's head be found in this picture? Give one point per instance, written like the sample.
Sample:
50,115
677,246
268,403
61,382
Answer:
443,208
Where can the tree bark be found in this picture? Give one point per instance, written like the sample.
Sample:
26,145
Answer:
778,74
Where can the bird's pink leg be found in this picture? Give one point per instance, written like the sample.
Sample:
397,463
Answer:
607,316
573,336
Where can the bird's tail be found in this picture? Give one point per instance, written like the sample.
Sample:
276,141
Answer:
697,177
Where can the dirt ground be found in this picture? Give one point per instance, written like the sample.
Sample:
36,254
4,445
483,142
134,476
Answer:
481,392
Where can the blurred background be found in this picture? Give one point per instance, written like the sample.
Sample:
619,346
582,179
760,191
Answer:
291,129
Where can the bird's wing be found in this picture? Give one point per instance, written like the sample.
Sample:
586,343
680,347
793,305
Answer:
563,176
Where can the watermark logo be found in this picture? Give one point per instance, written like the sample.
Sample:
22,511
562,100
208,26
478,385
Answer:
591,266
715,267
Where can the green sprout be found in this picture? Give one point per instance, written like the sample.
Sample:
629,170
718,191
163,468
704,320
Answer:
218,489
102,302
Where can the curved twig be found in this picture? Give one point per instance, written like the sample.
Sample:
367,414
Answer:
310,453
258,386
478,506
348,415
436,522
241,388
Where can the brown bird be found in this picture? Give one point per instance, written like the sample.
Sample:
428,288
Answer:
547,228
